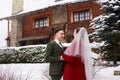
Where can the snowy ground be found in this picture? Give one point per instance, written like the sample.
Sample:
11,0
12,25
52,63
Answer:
107,73
40,72
24,72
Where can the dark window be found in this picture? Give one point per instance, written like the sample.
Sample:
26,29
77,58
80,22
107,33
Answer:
81,16
41,22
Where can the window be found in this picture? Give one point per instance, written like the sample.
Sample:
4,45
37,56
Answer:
87,15
36,23
76,17
41,22
81,16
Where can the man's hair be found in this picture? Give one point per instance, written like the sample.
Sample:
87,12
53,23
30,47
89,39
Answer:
57,30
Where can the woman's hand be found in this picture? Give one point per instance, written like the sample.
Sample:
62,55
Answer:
61,58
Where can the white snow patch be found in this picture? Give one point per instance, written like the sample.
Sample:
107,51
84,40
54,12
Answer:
96,44
25,71
107,74
42,4
103,1
40,71
95,56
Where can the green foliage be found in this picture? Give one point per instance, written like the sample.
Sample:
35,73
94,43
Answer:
23,55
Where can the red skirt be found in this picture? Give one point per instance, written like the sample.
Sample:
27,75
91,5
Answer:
74,69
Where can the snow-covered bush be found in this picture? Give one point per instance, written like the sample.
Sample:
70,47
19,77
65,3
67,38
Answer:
28,54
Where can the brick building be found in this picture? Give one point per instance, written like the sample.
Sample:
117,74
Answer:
35,24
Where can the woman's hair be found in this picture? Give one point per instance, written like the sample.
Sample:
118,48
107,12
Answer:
77,30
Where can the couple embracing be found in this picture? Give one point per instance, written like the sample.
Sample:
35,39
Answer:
75,62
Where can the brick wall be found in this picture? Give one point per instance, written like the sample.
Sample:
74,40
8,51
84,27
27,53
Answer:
59,15
56,15
16,31
92,6
29,28
17,23
17,6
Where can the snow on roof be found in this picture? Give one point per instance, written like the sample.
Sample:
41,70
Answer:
42,4
103,0
39,5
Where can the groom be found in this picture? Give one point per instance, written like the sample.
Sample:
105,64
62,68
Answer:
54,51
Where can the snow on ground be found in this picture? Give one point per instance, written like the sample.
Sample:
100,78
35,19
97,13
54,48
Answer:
107,73
40,72
25,71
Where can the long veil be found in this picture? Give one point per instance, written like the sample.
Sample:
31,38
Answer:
80,47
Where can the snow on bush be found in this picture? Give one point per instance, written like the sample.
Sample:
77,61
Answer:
26,54
107,29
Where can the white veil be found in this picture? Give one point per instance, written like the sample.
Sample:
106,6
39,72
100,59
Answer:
80,47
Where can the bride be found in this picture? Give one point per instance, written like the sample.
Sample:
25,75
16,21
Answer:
77,56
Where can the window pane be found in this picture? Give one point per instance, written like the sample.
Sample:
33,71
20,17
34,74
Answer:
45,22
36,24
87,15
76,17
81,16
41,23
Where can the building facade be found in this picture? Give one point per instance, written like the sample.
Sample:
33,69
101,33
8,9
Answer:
36,26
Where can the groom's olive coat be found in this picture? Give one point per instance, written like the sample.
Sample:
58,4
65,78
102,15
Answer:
53,53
